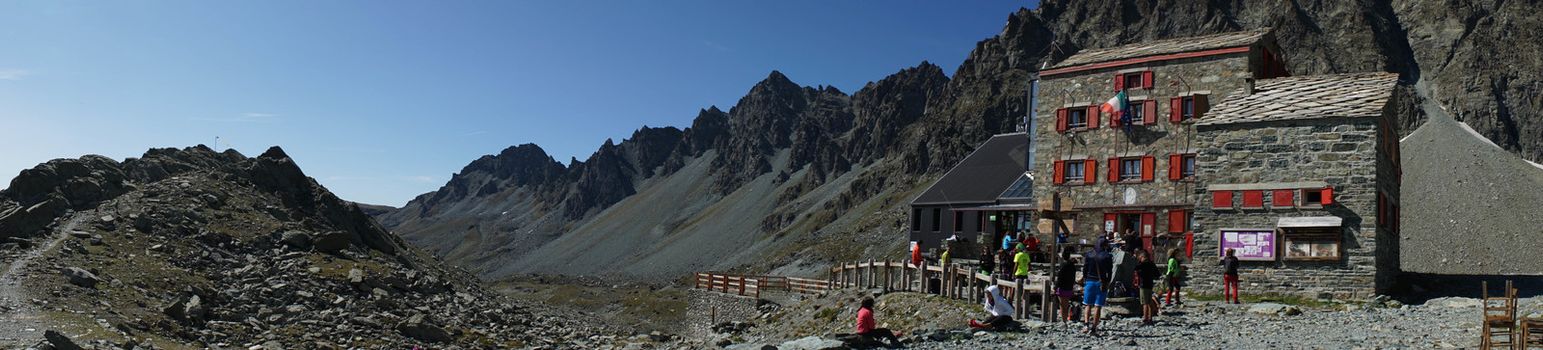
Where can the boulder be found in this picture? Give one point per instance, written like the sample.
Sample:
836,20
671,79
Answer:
812,343
1274,309
81,277
331,242
1455,302
419,327
296,239
59,341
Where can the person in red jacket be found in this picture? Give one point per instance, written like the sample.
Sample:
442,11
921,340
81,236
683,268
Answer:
865,326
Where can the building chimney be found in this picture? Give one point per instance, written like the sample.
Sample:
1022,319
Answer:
1248,86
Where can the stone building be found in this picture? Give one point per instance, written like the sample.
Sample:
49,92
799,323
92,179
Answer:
1139,177
1301,177
986,194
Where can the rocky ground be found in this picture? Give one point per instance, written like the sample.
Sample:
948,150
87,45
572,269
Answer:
929,322
216,250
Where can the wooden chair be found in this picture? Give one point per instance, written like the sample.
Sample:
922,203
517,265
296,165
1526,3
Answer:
1499,319
1531,336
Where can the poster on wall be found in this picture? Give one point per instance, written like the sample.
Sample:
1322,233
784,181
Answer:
1251,245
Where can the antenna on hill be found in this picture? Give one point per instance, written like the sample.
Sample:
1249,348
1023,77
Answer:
216,145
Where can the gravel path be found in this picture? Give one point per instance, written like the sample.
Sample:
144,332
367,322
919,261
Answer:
20,323
1436,325
927,322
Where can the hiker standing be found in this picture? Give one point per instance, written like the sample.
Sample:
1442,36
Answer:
1097,268
943,261
916,253
1230,277
1146,278
1001,311
865,326
1021,260
1174,277
1005,263
987,262
1065,282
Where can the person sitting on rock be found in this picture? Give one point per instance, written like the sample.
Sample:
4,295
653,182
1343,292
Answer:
865,326
1001,311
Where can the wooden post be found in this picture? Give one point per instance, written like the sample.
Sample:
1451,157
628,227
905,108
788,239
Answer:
887,281
1045,309
921,275
873,275
1018,299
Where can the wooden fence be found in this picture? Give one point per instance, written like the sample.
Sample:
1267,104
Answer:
952,281
752,285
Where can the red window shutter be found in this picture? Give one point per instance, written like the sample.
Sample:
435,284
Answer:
1114,170
1147,220
1201,106
1149,116
1283,198
1119,82
1146,80
1093,114
1176,109
1090,171
1058,173
1221,200
1253,199
1175,167
1060,120
1176,222
1148,166
1328,196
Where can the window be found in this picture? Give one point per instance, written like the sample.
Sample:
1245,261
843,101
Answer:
1130,169
1282,199
1312,243
1253,199
1178,221
958,221
937,219
1181,166
1136,80
1076,170
1221,200
1187,109
1076,118
916,219
1138,112
1188,167
1317,197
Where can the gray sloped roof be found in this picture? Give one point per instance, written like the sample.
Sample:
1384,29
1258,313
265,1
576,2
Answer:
983,175
1351,95
1165,46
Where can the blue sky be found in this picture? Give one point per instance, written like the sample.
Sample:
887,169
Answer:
383,100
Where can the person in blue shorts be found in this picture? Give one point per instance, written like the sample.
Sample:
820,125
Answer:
1097,268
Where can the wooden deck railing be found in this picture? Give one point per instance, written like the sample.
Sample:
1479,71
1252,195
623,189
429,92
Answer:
952,281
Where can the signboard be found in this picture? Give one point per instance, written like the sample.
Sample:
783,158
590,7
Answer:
1251,245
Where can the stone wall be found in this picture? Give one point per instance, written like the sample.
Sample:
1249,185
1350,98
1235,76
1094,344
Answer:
1342,152
1216,76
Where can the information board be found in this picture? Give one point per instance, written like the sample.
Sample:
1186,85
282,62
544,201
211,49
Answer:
1251,245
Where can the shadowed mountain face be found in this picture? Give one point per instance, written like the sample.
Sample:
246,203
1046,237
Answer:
790,168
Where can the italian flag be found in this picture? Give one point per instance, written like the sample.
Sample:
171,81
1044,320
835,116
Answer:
1115,105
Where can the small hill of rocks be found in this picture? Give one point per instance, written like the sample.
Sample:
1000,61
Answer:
192,248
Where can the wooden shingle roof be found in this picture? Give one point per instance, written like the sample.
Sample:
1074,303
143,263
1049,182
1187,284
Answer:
1164,47
1351,95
